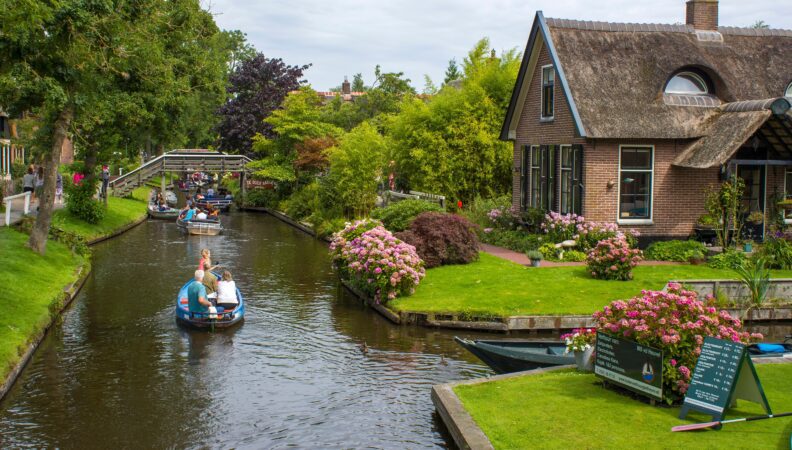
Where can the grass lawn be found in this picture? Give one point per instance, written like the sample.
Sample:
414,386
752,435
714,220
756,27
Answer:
120,212
496,287
32,283
567,409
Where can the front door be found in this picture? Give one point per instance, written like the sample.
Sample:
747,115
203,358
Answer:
753,199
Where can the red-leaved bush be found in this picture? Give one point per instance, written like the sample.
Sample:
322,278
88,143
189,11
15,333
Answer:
675,322
441,239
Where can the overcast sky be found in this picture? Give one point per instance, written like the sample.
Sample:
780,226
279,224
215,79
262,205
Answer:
344,37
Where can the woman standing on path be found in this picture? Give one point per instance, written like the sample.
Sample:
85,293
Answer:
39,187
29,181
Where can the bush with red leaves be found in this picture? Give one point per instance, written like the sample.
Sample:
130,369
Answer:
442,239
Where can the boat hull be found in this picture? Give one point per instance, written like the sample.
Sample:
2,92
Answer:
169,214
507,356
225,319
200,227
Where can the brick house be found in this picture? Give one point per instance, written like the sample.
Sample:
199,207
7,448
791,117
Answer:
633,123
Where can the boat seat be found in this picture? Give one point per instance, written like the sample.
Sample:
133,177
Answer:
555,351
183,300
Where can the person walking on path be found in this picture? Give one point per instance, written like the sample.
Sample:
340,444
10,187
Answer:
29,181
59,188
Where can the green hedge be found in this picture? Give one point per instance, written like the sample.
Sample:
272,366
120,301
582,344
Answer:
674,250
397,216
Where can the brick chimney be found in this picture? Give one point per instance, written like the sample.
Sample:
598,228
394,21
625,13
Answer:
702,14
345,87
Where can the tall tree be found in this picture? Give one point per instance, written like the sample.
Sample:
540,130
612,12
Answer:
357,83
256,89
452,71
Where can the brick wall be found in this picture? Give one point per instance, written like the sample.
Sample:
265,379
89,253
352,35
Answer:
531,131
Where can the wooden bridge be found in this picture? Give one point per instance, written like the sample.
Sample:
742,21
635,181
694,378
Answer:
183,160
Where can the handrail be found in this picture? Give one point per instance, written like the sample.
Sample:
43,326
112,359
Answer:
25,209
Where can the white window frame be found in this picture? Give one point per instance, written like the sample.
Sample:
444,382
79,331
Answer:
619,219
698,77
531,177
788,92
542,117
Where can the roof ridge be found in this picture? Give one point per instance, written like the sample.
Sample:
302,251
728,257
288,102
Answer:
594,25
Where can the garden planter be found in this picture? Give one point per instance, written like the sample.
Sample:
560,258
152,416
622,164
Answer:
585,360
747,248
536,262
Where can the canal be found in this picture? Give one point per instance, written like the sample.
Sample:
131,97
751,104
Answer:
310,367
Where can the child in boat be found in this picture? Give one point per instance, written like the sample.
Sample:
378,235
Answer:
226,292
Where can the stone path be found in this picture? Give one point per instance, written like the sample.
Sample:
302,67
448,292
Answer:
520,258
17,207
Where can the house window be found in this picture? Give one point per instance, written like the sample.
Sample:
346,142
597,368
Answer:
570,200
548,81
789,90
788,192
635,183
536,177
687,83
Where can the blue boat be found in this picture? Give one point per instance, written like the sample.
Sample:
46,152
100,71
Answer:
223,318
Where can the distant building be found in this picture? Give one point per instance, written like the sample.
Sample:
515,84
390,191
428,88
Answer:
346,93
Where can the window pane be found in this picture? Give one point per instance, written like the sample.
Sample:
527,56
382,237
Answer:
566,191
548,75
535,156
536,187
566,157
686,83
636,158
788,185
635,201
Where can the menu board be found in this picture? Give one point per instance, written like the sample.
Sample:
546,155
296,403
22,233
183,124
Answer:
723,373
630,365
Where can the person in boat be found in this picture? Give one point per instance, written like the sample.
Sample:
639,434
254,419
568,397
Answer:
163,206
206,256
209,280
190,214
197,299
210,192
226,292
201,215
213,212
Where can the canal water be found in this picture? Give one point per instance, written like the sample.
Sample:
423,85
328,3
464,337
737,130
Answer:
310,367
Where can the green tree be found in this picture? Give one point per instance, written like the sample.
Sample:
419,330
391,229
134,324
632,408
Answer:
452,71
356,167
357,83
760,24
429,86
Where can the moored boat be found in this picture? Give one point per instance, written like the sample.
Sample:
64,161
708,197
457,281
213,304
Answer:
217,202
515,355
223,318
155,213
200,227
170,197
771,350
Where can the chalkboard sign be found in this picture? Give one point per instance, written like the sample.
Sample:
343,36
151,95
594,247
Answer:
724,372
630,365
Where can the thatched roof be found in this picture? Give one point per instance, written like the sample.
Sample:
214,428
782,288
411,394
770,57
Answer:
615,74
725,135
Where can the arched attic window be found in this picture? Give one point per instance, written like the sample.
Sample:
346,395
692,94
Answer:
688,83
788,92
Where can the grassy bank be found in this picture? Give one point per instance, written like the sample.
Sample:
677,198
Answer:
496,287
120,212
33,286
567,409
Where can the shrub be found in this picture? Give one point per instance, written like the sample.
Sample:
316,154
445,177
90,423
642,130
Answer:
350,232
755,276
376,262
478,210
613,259
574,256
674,250
675,322
397,216
266,198
729,259
534,255
777,252
303,202
81,204
75,242
549,251
516,240
562,227
442,239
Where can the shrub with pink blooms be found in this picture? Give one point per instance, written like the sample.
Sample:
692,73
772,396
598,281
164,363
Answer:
562,227
373,260
676,322
613,259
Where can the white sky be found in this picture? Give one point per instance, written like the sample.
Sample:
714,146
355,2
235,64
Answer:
344,37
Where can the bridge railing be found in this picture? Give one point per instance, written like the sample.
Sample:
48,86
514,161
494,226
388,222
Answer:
393,196
9,205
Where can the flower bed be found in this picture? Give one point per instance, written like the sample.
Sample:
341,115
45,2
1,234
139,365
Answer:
675,322
373,260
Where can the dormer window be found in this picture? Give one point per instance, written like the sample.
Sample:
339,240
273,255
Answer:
548,81
688,83
789,91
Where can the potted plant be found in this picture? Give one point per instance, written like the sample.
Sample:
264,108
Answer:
785,204
756,217
535,256
748,246
581,342
697,258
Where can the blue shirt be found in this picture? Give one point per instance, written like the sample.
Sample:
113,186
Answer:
195,290
189,214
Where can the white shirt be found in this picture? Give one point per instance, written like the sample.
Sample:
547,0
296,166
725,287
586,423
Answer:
226,292
210,192
201,216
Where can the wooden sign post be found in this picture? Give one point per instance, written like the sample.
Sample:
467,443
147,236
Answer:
724,372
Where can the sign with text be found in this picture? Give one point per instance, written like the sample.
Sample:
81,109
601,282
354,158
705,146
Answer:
724,372
630,365
259,184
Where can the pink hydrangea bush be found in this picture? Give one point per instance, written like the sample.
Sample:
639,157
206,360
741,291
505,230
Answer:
373,260
675,322
562,227
613,259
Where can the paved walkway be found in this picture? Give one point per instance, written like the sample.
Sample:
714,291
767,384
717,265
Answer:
520,258
17,207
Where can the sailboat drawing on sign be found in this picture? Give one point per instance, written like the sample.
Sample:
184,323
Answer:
648,372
